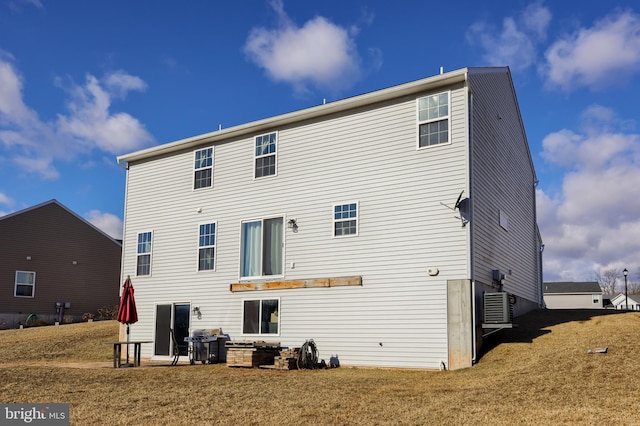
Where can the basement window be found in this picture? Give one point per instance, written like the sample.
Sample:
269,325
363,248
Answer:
260,316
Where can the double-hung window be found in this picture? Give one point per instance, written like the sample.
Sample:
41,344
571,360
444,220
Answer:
143,263
433,120
345,219
25,284
260,316
207,247
261,252
266,155
203,168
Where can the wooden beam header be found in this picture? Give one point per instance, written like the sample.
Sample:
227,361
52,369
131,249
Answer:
289,284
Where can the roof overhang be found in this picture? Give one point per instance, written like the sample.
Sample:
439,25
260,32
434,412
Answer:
418,86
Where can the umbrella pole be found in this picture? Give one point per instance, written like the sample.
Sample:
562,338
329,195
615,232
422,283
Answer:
128,345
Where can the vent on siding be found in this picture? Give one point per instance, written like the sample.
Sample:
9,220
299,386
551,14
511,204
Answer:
497,308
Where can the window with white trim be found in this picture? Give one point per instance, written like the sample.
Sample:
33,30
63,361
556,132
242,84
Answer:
143,262
203,168
433,120
345,219
261,247
207,247
260,316
266,155
25,284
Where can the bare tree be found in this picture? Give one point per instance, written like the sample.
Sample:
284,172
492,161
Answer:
633,285
608,280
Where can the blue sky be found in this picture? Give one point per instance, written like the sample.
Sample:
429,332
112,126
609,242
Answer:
82,82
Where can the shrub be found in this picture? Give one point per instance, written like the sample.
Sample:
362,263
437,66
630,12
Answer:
108,312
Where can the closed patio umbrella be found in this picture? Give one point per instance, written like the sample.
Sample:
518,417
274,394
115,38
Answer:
127,313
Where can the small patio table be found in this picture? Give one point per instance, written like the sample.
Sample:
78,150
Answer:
117,353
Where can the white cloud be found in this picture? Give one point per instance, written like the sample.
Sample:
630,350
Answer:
87,125
515,43
90,120
6,200
596,57
594,222
318,53
107,222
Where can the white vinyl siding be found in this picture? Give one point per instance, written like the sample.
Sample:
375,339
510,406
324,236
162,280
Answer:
500,154
403,229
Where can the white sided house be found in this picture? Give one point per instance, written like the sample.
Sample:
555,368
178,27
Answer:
373,225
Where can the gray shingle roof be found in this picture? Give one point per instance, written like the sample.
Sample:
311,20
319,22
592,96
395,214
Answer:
572,287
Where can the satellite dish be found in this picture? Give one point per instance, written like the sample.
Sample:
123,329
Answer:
461,205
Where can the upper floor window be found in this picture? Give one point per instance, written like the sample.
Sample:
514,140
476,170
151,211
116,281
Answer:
433,120
207,247
261,251
203,168
25,284
266,155
143,263
345,219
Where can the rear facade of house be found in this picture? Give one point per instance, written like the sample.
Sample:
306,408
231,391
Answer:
372,225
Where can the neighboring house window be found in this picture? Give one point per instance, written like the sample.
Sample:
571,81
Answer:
260,316
143,265
266,155
25,284
207,247
433,120
262,247
596,299
203,168
345,219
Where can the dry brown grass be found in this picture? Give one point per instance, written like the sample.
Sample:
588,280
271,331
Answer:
539,373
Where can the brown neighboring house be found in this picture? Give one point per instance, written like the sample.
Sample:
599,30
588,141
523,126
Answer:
55,264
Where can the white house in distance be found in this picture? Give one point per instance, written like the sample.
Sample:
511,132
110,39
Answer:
573,295
629,302
372,225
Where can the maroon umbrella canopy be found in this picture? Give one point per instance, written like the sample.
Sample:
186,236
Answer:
127,313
